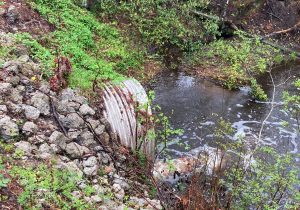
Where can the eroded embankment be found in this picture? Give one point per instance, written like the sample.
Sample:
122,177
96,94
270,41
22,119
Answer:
45,131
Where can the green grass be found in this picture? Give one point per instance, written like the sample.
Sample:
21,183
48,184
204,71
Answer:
96,50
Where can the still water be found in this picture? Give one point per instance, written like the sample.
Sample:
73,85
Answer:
196,105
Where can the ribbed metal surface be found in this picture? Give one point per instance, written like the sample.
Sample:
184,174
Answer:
120,109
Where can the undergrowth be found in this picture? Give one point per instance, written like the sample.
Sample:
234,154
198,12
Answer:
97,51
240,61
43,185
162,24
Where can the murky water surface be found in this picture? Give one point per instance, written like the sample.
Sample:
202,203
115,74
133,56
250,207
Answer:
196,105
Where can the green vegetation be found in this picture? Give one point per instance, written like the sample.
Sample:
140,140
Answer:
39,53
292,102
5,53
262,184
256,91
163,23
245,178
238,60
43,184
3,181
54,186
97,50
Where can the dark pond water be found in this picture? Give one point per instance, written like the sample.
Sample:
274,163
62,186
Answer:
196,105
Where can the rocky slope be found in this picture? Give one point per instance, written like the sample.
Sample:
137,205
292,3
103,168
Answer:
60,126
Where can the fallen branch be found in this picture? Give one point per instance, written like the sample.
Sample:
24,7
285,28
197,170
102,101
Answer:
296,26
260,38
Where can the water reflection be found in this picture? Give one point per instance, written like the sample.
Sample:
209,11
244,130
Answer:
198,104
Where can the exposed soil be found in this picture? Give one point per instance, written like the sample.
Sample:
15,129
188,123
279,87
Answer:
9,195
18,16
264,17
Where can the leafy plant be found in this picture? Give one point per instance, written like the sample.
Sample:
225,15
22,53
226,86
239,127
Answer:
3,181
18,154
164,23
292,102
257,92
96,50
45,185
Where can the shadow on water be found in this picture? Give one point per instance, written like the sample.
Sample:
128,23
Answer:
196,105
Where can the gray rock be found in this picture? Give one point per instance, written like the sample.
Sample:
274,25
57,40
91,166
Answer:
45,156
99,189
73,133
11,66
23,58
45,148
8,128
138,201
21,50
76,194
27,69
14,80
103,207
87,139
16,96
105,138
3,108
59,139
104,158
82,185
70,166
72,121
87,199
5,87
31,113
29,128
105,122
67,94
119,191
75,150
21,88
14,108
80,99
64,107
93,123
155,203
96,199
56,149
37,139
99,131
98,148
41,102
86,110
25,146
91,171
45,88
121,181
90,162
12,14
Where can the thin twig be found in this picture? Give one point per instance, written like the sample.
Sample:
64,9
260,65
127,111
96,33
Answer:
271,110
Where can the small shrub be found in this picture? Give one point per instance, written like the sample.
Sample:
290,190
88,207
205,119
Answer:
257,92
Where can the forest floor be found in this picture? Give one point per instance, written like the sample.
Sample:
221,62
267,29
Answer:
233,60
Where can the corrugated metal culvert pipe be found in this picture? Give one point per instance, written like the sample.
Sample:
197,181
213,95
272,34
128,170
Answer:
127,110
